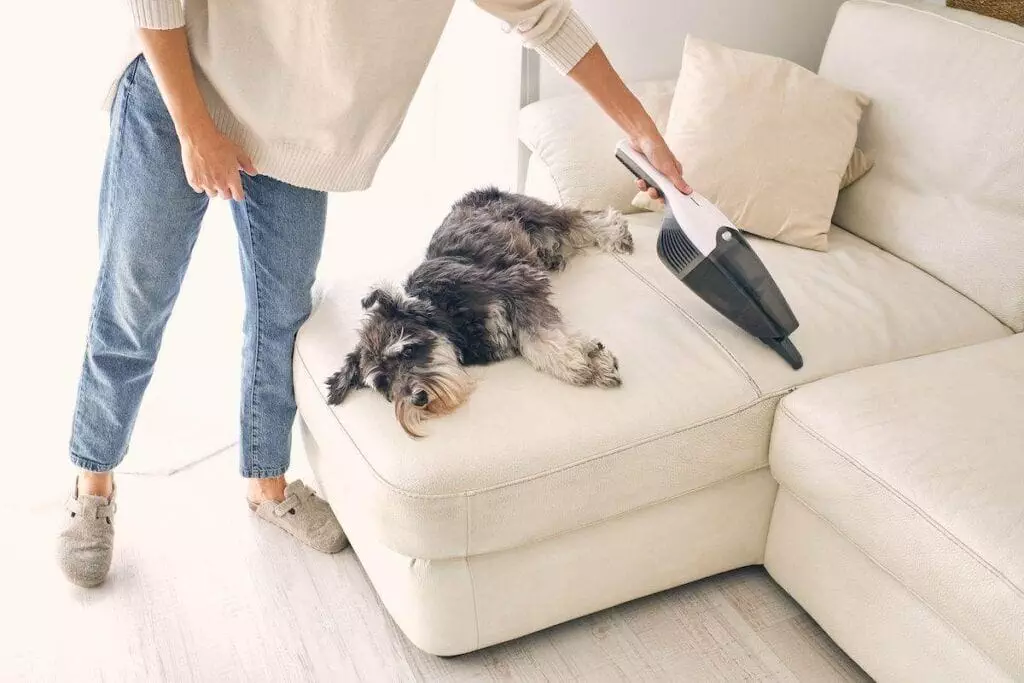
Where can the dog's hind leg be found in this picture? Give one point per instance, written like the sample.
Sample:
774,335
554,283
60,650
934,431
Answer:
570,357
606,230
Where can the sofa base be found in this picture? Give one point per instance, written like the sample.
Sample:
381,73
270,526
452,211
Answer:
844,590
453,606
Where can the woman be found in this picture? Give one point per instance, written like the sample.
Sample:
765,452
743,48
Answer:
270,105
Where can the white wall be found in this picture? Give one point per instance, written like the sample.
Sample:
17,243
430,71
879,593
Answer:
644,38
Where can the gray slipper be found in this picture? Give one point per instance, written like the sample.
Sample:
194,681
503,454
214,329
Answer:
86,544
305,516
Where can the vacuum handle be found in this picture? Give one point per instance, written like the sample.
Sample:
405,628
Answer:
639,166
698,217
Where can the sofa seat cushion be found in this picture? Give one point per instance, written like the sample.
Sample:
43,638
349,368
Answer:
529,457
921,465
857,306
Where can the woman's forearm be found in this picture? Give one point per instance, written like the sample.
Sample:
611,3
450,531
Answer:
595,74
168,56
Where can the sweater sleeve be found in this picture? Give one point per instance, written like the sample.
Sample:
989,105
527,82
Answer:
157,14
551,27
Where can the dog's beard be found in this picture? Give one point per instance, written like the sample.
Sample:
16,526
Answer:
447,384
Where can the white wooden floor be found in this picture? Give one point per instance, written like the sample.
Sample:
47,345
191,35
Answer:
200,591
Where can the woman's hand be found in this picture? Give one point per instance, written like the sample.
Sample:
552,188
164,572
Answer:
211,161
661,157
212,164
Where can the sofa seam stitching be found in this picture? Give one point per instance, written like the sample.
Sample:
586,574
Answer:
540,475
910,504
472,583
693,321
949,20
891,575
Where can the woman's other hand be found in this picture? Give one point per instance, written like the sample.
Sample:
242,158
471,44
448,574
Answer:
212,164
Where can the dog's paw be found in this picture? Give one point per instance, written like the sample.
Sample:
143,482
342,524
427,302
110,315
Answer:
624,243
613,232
604,366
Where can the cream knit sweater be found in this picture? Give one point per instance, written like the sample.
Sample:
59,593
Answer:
316,90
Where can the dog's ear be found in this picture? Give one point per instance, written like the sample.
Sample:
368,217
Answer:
345,380
418,310
370,299
379,295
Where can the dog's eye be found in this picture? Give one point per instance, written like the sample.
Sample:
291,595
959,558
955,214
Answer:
408,351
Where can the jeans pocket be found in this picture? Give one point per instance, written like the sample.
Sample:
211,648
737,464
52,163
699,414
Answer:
124,84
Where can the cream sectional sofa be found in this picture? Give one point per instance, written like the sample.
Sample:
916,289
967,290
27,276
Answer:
882,485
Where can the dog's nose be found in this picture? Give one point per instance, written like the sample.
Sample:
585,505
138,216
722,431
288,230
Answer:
419,398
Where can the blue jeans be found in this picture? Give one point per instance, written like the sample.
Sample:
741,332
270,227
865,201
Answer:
148,223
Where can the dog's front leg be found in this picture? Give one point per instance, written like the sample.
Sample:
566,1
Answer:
607,230
570,357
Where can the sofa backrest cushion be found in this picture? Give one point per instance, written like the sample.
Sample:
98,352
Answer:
946,130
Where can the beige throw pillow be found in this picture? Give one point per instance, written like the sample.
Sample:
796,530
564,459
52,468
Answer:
860,163
765,139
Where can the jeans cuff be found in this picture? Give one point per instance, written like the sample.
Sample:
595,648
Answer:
262,472
90,465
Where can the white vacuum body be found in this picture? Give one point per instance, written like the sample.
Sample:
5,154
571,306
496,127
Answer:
702,247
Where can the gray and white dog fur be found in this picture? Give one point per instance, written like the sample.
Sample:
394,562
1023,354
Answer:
482,294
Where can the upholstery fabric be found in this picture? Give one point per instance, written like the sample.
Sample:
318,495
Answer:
529,457
576,141
921,465
857,306
946,130
539,181
848,593
765,139
456,605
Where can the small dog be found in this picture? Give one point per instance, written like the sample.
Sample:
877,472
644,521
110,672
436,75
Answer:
482,295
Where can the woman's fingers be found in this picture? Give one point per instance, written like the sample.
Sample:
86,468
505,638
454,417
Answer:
213,166
194,182
235,188
245,163
223,187
650,191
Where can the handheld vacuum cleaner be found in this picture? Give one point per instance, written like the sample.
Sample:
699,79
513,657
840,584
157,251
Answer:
712,257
